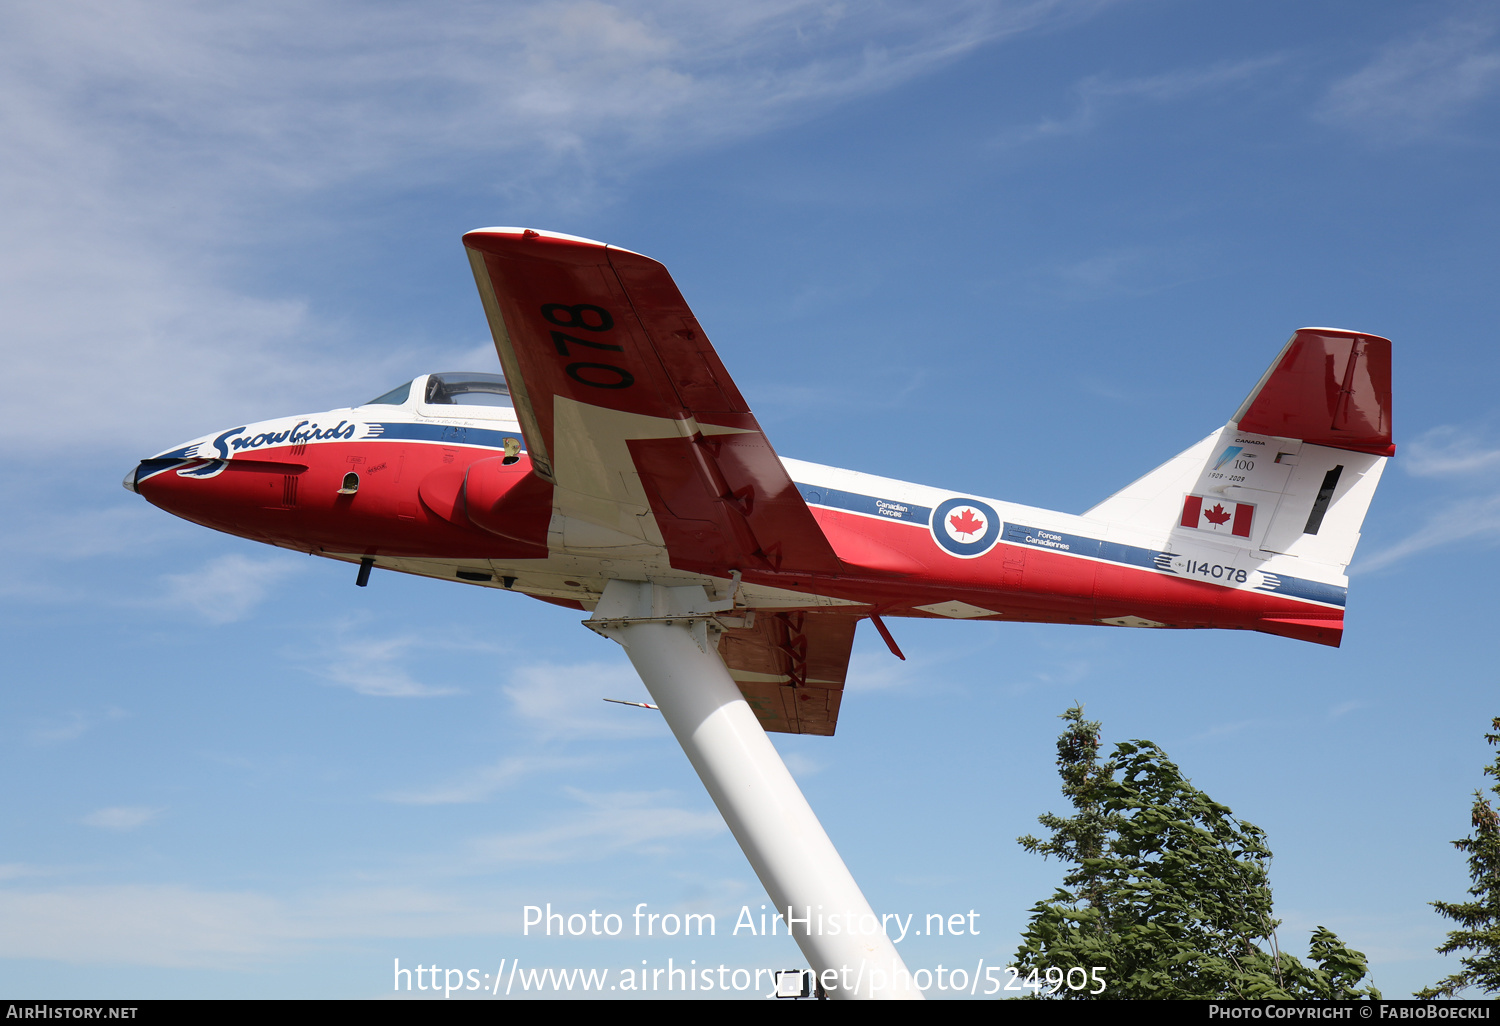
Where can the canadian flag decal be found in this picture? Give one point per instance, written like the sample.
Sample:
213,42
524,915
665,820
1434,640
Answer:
1218,515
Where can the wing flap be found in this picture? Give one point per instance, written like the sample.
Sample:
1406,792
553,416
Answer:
700,380
791,668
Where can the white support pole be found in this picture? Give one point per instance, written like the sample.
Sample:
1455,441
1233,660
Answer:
671,636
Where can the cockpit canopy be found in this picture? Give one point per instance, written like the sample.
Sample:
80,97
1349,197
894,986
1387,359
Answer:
451,388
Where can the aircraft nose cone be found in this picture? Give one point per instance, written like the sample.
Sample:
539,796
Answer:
129,482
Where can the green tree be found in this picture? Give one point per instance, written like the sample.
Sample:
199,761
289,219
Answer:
1480,918
1167,891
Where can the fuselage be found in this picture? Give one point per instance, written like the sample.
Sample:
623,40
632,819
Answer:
444,489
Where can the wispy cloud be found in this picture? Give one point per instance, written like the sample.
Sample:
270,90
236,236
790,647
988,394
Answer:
1458,460
801,765
1061,673
1097,95
872,667
374,666
130,527
1449,451
18,870
881,671
180,927
1125,271
121,817
71,726
151,145
35,538
567,701
481,784
1418,85
139,925
1456,521
603,825
1112,392
226,589
1222,729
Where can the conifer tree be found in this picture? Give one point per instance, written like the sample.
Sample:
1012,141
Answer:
1480,918
1167,892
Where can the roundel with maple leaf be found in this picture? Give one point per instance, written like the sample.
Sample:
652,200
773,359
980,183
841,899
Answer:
965,527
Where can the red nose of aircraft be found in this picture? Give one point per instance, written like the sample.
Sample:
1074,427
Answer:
358,499
239,496
433,469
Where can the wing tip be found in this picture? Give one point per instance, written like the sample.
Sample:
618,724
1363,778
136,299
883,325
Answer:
518,232
1347,332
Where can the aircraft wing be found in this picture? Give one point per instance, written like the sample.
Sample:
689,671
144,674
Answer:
629,413
790,667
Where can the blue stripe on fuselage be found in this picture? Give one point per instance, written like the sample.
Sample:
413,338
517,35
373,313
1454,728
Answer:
1067,544
886,509
1312,591
452,434
1077,545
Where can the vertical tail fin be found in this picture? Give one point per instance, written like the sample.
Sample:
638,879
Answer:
1328,387
1292,473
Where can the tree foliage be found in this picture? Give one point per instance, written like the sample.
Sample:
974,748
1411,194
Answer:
1480,918
1166,889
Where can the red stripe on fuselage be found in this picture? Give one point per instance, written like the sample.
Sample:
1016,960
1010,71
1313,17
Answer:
1025,583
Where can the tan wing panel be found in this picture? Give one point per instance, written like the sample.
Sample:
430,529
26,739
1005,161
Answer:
791,667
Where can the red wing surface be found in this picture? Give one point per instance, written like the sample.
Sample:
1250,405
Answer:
626,407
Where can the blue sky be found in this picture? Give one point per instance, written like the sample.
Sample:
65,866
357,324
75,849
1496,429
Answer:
1026,250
